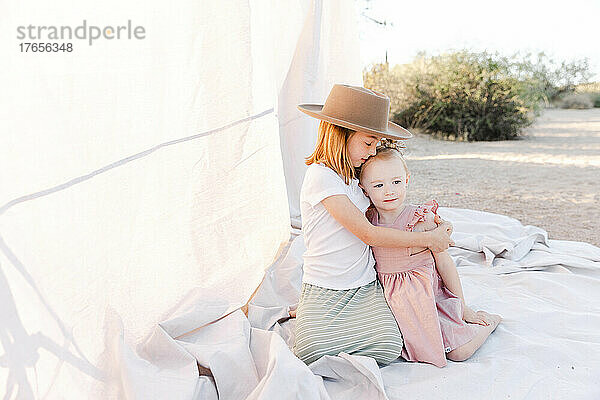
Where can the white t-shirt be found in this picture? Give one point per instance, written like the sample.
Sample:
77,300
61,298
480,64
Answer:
334,258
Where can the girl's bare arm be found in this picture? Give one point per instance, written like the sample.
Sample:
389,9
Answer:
351,218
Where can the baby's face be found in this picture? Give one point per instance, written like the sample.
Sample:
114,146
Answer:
385,183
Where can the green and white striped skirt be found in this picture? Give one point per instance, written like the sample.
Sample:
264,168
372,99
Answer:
356,321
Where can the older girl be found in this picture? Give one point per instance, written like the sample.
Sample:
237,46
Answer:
342,307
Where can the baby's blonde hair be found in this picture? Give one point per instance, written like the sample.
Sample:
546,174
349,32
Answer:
387,149
332,150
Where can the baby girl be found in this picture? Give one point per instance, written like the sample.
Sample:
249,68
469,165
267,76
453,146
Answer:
422,288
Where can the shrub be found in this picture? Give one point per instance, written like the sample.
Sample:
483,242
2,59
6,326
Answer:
471,96
576,101
462,95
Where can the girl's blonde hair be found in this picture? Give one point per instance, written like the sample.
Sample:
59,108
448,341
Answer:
387,149
332,150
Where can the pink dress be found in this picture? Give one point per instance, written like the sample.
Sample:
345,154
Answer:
428,314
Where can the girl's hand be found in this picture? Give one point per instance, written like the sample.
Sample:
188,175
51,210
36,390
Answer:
440,238
438,220
479,317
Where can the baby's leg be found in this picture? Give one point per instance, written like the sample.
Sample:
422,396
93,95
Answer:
447,269
483,331
488,322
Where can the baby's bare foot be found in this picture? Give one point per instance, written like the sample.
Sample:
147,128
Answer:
483,318
479,317
493,320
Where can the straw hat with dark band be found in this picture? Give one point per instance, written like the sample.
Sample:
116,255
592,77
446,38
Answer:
359,109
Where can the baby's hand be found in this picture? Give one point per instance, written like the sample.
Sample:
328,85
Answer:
479,317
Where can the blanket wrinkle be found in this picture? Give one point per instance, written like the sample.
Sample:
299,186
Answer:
350,377
547,344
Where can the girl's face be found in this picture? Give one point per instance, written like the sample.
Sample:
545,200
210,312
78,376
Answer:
385,181
361,146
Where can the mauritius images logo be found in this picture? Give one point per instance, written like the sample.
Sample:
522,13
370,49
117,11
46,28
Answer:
90,33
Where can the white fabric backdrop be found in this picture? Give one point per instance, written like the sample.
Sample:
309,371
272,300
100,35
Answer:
327,53
137,175
143,195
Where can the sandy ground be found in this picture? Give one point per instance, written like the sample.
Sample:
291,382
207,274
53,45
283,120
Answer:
550,178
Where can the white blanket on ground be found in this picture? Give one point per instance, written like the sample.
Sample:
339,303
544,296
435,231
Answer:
547,346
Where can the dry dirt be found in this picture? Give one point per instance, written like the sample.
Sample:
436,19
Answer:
549,178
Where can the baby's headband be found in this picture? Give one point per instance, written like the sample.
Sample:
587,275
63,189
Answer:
386,143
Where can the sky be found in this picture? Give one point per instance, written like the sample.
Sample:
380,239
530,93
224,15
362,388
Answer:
565,30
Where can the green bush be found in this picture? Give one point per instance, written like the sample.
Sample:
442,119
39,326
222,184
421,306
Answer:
465,95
